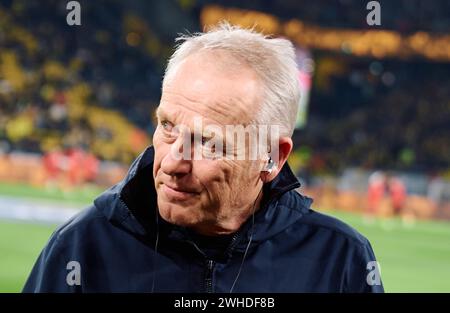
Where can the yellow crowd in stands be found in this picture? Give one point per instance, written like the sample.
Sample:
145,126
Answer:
106,132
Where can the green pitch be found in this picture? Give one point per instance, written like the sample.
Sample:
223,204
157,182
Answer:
20,244
414,259
79,196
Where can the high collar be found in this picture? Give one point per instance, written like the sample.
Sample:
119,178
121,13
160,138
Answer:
132,202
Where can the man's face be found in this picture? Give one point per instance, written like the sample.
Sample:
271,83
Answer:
212,196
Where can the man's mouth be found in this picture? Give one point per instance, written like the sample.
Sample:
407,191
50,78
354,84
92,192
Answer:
174,193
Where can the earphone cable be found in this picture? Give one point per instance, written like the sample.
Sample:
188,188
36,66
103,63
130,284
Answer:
248,244
156,252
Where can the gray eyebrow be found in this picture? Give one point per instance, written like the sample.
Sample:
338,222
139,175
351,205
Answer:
159,112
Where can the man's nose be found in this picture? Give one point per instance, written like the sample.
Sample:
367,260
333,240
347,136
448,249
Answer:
177,162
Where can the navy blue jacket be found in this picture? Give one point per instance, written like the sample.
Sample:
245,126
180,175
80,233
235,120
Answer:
293,248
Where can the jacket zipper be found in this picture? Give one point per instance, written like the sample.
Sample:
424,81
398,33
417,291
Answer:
209,276
232,242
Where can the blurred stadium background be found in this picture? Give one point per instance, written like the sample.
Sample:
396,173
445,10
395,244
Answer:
372,143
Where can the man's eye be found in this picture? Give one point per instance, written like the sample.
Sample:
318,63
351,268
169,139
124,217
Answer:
167,126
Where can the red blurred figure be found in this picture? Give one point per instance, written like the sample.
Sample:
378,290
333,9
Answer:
375,192
91,167
72,167
53,164
397,191
82,166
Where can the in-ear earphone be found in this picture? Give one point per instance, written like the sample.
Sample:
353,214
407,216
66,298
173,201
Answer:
270,165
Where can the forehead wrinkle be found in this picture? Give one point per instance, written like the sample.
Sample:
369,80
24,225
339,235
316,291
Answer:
193,106
233,112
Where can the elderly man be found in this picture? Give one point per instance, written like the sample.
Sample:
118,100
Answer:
198,212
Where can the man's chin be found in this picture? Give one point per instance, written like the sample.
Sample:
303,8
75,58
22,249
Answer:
177,215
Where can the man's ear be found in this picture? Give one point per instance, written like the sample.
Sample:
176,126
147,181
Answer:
284,149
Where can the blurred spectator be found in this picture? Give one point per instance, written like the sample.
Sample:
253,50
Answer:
397,192
375,193
70,168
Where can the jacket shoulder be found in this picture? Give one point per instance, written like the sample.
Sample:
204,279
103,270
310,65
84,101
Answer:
50,269
79,222
329,223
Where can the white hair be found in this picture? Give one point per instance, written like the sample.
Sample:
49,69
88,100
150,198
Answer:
273,60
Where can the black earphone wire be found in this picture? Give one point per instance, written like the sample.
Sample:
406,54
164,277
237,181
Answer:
156,251
248,244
